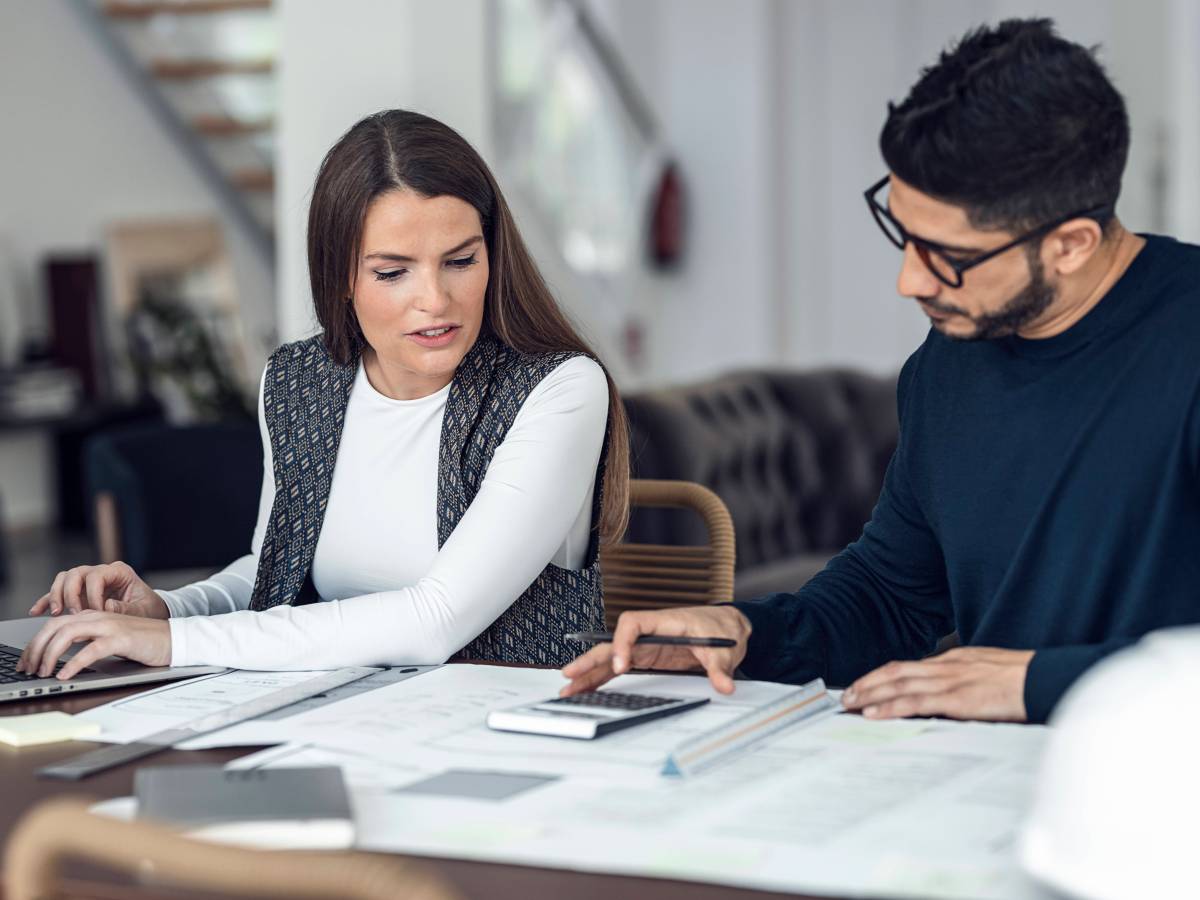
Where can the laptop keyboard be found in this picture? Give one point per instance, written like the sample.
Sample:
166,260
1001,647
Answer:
8,667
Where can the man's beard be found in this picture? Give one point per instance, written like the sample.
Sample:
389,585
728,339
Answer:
1016,313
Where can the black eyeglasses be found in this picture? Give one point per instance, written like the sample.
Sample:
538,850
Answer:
947,264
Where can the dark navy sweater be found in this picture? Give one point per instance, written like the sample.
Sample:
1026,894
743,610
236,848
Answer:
1044,495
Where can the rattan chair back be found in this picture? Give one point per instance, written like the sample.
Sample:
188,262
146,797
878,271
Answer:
653,576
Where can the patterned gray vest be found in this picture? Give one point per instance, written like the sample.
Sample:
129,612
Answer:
305,394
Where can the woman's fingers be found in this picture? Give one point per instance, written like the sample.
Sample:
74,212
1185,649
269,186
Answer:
31,656
73,590
85,587
56,598
60,643
96,650
96,586
142,640
41,606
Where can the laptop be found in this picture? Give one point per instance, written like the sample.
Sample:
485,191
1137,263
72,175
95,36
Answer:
112,671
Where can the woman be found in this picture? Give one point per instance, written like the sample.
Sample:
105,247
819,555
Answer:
447,454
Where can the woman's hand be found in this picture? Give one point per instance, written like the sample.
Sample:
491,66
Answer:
143,640
114,588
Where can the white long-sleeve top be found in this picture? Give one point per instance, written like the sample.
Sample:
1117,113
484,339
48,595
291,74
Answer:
391,597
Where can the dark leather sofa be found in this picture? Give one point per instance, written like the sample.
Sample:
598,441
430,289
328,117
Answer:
185,497
797,456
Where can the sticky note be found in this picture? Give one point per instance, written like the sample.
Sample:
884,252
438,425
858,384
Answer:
44,728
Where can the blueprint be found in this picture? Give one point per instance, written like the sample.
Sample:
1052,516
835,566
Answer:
842,806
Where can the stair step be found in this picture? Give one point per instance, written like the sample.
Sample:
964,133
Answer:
128,9
254,179
229,126
206,68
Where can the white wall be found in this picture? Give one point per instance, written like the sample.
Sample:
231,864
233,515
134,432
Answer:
775,108
78,151
1182,133
339,66
715,92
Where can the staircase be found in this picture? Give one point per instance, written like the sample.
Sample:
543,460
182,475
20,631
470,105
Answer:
206,69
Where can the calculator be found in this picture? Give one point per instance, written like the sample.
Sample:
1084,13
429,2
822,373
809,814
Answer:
588,715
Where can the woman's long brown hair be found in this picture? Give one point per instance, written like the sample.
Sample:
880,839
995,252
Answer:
401,150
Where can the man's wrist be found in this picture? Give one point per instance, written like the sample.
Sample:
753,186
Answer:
742,624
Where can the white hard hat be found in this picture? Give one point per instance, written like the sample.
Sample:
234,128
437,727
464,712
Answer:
1115,813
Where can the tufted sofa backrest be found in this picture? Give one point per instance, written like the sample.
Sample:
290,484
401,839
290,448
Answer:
798,457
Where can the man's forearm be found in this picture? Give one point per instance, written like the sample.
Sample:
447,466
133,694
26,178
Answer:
842,624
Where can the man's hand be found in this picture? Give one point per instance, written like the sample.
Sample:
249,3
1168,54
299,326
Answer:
964,683
143,640
604,661
115,588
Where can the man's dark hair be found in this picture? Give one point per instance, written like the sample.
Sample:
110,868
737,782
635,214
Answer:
1014,124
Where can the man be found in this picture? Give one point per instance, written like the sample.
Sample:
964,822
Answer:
1044,497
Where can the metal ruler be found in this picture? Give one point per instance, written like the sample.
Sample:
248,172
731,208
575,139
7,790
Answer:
717,744
378,679
117,754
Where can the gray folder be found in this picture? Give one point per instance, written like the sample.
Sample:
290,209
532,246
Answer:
297,808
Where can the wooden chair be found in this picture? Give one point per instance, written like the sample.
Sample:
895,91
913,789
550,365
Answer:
653,576
62,828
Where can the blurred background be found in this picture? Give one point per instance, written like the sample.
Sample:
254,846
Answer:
688,173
